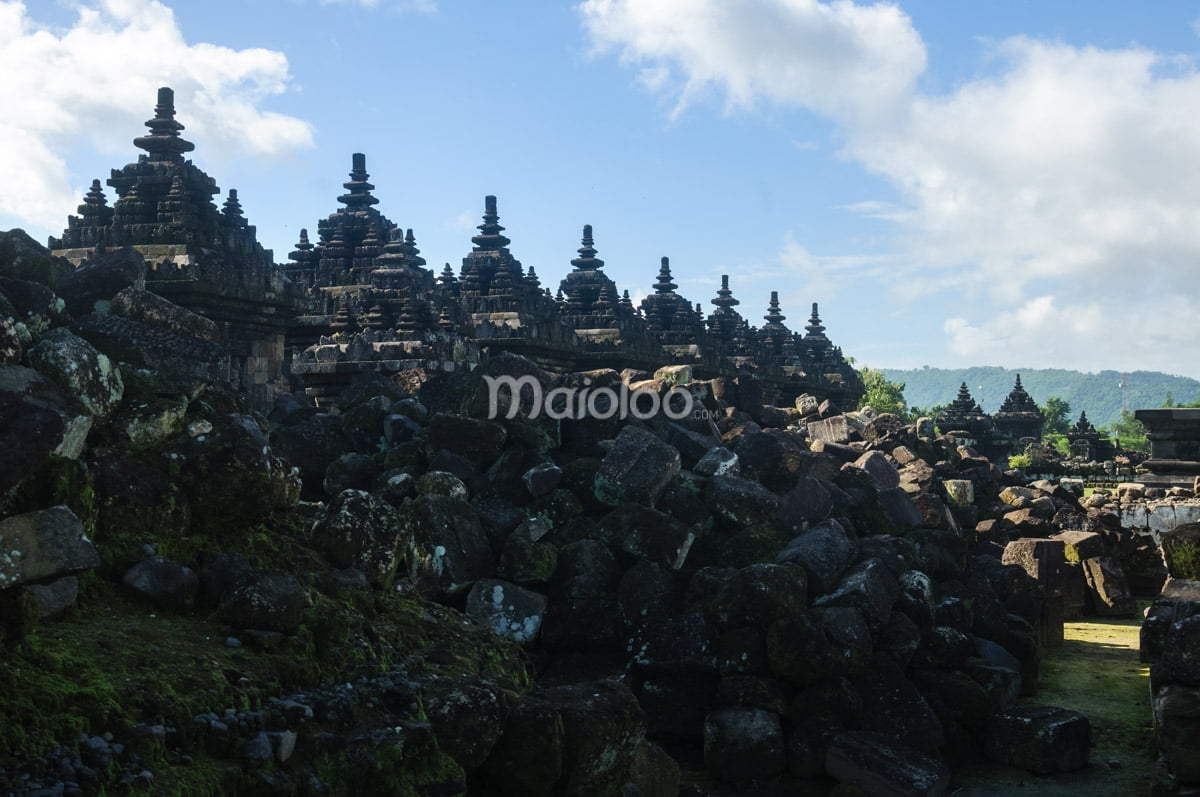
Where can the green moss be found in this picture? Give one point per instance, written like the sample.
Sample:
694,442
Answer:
382,763
1181,549
111,664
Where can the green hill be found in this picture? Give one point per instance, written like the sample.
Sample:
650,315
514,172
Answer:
1100,395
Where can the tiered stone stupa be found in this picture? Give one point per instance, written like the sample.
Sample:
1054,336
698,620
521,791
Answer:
1086,442
1018,420
164,208
671,318
725,323
964,418
350,238
203,258
503,307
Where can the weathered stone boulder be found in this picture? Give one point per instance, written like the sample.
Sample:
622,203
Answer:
165,584
30,432
583,624
636,469
509,610
231,477
823,643
362,531
868,586
149,308
718,461
1108,592
646,590
310,443
881,765
221,572
1179,662
675,644
1181,550
21,257
154,361
440,482
53,599
12,347
137,502
479,441
350,471
760,594
528,756
882,471
447,545
835,429
467,716
542,479
603,731
676,704
646,533
37,416
742,502
587,569
1080,545
268,600
916,599
42,546
743,744
145,424
91,286
33,305
654,771
1041,739
892,703
960,493
83,373
808,501
1041,559
1177,725
825,551
899,509
773,458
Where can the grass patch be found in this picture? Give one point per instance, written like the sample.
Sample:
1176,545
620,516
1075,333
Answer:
113,663
1095,672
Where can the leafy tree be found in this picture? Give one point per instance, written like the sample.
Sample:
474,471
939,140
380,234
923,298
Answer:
1058,442
926,412
1056,416
1128,432
882,395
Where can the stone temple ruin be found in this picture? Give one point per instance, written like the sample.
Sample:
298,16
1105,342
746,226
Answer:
1016,426
361,299
401,596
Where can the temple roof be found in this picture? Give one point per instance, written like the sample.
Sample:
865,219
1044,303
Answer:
587,288
359,195
1018,401
164,142
489,237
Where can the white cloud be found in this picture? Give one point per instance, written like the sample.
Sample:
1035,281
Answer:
840,59
1054,204
400,6
815,279
93,84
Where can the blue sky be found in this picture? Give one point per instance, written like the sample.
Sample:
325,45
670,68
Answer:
986,183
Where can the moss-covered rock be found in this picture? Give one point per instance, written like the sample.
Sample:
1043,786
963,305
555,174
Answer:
1181,550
